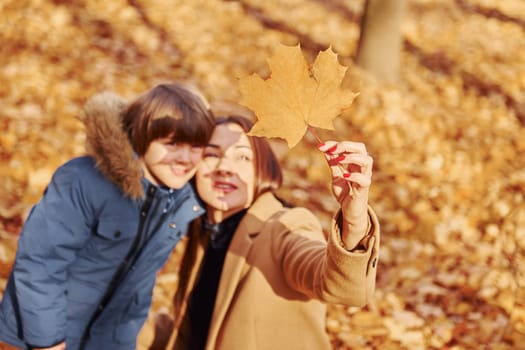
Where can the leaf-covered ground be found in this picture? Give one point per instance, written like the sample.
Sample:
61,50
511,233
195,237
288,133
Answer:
448,140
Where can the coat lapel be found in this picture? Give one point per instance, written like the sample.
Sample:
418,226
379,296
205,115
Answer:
235,260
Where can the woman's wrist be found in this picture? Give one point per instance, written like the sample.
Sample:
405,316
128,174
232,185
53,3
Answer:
352,234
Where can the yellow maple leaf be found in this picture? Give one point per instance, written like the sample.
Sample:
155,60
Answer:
296,95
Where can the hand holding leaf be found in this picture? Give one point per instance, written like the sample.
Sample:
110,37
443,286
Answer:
296,98
351,168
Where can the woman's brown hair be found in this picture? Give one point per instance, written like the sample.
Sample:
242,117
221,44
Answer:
172,110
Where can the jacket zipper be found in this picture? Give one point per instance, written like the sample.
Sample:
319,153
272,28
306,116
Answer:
123,267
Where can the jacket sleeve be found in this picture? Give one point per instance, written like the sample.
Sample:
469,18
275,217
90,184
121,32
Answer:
358,266
321,269
55,229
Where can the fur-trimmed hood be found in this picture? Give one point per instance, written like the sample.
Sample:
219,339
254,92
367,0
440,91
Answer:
109,145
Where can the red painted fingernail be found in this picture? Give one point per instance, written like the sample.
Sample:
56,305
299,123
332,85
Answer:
346,175
331,149
340,158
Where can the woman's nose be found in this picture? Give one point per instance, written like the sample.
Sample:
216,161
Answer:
224,165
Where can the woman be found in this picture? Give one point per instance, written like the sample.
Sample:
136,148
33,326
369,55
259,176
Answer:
91,247
256,274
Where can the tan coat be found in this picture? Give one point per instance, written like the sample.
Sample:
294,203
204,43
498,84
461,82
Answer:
278,274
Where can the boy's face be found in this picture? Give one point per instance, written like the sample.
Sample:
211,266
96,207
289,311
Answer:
171,164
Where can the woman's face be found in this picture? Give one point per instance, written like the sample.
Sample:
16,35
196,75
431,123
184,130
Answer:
226,175
171,164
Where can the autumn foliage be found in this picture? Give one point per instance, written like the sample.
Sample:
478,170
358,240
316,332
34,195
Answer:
448,140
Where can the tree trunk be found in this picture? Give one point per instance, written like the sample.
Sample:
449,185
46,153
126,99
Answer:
379,50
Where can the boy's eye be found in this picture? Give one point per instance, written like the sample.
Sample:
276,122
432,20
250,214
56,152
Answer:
165,141
170,142
210,153
197,149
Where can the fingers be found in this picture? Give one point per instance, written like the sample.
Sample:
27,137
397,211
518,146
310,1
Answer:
360,179
357,163
349,160
334,147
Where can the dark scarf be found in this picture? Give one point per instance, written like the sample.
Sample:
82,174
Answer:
202,298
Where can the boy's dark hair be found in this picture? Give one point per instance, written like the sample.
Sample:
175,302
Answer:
172,110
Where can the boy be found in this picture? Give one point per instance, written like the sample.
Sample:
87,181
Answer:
91,247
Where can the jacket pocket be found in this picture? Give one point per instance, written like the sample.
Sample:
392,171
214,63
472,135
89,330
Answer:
132,319
110,242
114,230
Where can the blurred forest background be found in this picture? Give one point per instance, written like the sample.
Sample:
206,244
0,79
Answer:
447,136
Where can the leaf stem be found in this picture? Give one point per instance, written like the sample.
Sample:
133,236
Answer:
313,132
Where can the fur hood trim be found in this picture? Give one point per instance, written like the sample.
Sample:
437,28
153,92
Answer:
109,145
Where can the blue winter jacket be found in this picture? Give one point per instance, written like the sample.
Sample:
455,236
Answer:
80,234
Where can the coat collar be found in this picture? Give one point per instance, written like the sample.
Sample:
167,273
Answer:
109,145
261,211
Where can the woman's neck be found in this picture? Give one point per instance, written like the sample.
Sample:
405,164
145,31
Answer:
216,216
